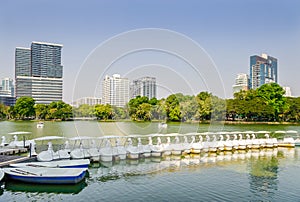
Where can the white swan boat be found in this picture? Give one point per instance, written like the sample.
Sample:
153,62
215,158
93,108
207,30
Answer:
287,141
177,147
156,150
50,154
196,146
146,148
167,148
16,143
132,151
106,152
228,143
119,150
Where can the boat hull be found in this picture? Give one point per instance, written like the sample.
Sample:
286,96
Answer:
31,177
48,180
133,155
106,158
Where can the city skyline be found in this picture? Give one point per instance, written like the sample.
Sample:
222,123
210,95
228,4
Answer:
229,34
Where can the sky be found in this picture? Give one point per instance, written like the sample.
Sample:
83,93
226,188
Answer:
189,46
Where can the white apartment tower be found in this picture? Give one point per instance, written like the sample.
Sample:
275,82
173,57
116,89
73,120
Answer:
115,90
241,83
145,86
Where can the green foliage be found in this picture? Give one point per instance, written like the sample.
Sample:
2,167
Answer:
173,108
204,109
143,112
266,103
103,112
292,112
3,111
59,110
84,110
24,108
119,113
135,102
272,94
41,111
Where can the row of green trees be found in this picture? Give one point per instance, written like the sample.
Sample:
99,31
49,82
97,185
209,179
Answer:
266,103
26,109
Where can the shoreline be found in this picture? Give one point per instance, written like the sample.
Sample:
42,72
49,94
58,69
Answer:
171,122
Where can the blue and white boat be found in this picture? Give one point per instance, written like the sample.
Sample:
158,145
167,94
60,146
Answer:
44,175
79,163
1,174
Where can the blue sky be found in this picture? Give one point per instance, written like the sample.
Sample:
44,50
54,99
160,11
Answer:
229,32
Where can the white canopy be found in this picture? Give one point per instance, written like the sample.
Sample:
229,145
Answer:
81,138
48,138
19,133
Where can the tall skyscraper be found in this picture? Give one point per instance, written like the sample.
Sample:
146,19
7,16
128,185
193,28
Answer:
46,60
241,83
115,90
22,62
263,69
43,79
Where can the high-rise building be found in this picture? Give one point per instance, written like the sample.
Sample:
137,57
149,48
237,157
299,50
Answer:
145,86
46,60
7,87
115,90
87,100
43,79
241,83
7,92
42,90
22,62
263,69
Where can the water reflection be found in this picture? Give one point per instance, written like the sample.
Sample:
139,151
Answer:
263,165
16,186
263,175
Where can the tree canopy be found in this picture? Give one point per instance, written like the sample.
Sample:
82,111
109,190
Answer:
267,103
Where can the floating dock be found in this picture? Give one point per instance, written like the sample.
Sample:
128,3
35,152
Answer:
10,155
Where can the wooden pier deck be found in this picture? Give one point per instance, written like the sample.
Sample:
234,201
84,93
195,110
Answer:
10,155
12,151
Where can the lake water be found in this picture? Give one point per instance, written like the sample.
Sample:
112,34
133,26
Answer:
255,175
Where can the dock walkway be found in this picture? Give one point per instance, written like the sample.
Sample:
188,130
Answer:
10,155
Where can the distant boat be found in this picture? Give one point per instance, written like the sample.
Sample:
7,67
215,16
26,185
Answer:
40,124
44,175
162,125
79,163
